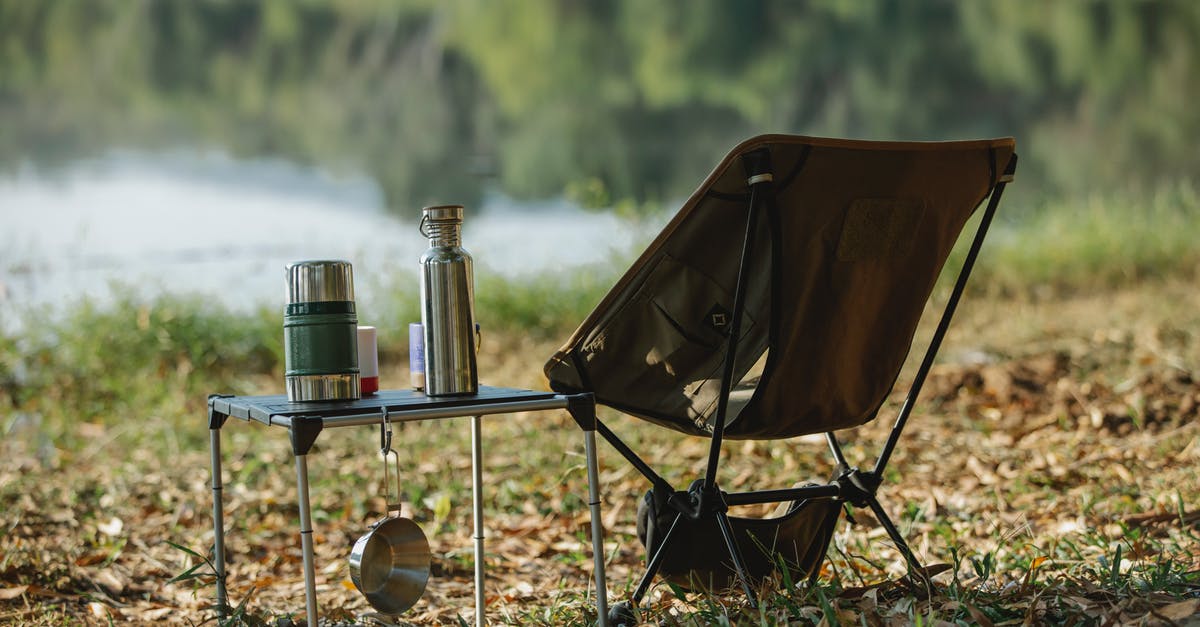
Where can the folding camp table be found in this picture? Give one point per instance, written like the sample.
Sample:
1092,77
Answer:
305,421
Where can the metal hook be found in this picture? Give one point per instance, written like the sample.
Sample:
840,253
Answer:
385,433
391,477
421,226
385,449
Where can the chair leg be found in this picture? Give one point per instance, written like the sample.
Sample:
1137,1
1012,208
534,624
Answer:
624,609
655,563
735,552
914,565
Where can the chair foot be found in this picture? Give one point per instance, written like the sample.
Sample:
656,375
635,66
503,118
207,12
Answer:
622,614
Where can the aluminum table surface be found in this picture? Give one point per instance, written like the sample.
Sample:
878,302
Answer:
402,405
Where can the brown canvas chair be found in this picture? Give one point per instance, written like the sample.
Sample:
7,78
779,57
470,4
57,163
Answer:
781,300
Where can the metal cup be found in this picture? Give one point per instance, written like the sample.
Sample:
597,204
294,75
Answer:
391,563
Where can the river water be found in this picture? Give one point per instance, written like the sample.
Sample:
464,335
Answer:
208,224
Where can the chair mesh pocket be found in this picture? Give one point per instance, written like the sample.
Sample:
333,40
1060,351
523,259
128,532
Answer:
671,342
697,558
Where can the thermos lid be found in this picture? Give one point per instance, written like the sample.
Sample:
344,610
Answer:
440,213
320,281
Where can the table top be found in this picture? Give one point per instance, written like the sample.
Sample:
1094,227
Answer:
263,408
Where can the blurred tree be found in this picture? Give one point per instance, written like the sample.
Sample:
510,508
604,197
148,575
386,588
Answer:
352,86
625,99
1104,91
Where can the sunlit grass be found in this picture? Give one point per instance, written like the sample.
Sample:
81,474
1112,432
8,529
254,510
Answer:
1100,243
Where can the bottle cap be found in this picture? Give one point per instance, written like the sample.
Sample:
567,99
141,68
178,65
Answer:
440,213
316,281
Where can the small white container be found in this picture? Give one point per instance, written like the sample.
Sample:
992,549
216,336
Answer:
368,361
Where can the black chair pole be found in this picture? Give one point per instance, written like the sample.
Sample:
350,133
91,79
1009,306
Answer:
655,563
630,456
739,304
739,563
836,449
759,179
914,565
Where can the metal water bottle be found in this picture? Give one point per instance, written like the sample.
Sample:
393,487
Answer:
447,305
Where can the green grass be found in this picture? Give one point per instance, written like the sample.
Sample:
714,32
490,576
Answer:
140,360
1100,242
542,306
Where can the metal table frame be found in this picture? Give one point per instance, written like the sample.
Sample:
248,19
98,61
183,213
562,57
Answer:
305,421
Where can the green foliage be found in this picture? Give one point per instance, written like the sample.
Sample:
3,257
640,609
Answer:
360,86
203,573
545,306
540,305
134,358
146,358
439,100
1103,242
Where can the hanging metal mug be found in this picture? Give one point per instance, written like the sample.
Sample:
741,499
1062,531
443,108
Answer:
390,564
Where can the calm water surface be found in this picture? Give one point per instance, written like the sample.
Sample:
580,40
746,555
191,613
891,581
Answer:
208,224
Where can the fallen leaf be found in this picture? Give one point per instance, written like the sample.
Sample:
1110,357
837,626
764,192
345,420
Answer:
978,616
90,559
111,580
1179,611
98,609
8,594
157,613
91,430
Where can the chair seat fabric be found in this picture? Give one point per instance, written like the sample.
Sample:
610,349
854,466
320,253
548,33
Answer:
848,252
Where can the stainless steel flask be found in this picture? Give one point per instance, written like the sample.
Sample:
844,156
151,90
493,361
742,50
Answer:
447,305
320,332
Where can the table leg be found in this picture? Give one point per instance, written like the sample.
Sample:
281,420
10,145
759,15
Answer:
306,540
477,504
593,471
214,440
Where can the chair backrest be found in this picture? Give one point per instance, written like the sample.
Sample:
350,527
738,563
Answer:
846,256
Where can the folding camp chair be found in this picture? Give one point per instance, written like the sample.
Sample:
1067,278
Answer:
811,260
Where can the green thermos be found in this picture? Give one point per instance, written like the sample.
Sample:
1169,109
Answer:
320,332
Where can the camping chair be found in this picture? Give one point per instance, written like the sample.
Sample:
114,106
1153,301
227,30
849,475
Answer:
782,300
